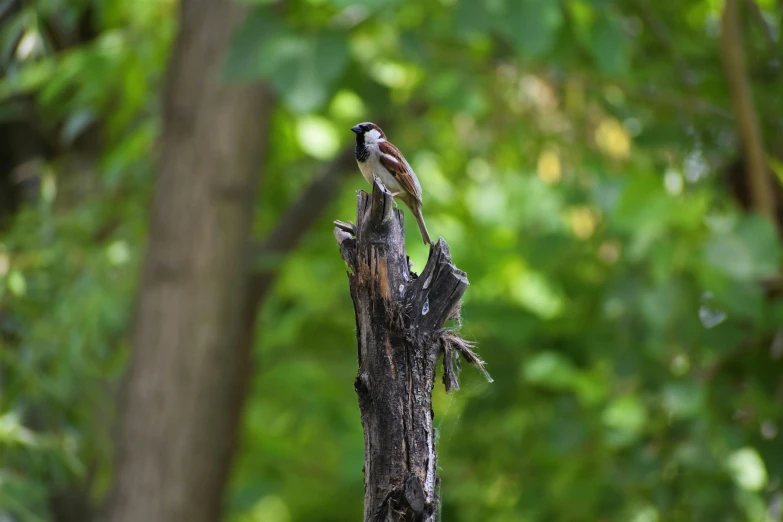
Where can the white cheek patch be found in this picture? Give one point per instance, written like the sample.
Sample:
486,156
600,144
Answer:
373,136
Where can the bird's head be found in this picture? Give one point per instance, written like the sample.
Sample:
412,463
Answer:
368,133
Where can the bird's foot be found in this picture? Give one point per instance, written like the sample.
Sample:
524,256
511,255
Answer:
395,194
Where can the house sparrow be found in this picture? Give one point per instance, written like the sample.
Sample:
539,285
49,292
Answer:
378,157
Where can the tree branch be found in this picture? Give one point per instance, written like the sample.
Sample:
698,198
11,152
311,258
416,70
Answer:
749,128
298,218
302,213
292,226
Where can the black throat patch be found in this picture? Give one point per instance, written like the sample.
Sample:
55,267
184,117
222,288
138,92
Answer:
362,152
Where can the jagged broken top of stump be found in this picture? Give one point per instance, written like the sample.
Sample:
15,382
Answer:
417,306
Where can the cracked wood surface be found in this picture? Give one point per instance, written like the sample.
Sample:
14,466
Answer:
400,331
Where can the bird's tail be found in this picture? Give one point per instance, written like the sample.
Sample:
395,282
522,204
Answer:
420,220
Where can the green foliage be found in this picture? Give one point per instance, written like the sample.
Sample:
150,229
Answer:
301,68
615,290
749,252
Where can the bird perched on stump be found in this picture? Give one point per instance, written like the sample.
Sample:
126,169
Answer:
377,157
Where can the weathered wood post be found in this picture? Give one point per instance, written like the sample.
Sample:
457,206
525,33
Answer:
400,320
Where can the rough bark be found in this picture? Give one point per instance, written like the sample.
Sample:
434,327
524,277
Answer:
180,405
400,321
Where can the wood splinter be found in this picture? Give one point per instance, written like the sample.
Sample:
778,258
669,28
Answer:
400,320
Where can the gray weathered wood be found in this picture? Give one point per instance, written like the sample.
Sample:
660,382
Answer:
400,330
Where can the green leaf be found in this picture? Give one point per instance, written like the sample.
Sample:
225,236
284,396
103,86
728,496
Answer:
31,77
330,56
253,53
550,369
731,296
17,283
684,400
473,16
12,433
662,305
75,125
531,25
626,414
306,79
302,69
610,45
751,251
747,469
372,5
641,204
535,292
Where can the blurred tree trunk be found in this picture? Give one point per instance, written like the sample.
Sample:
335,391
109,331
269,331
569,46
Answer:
760,183
180,406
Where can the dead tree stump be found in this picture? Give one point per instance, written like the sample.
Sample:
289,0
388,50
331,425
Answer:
400,320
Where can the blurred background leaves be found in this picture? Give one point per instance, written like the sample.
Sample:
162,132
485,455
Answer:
580,158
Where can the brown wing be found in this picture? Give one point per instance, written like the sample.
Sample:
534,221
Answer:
394,161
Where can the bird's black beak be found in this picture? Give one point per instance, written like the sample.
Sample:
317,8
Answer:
357,129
